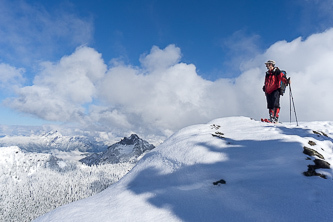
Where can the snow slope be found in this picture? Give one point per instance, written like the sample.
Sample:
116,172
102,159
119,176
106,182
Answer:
262,165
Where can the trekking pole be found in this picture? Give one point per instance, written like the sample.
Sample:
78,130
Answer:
289,105
292,98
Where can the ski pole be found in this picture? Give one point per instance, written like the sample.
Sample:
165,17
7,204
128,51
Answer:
292,98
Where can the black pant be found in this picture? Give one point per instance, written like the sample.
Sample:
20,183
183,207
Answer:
273,99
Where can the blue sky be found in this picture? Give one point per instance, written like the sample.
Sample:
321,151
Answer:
215,41
202,29
208,32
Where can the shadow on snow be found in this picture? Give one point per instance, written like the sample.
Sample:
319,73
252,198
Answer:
189,191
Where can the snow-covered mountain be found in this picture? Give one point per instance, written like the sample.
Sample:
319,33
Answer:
231,169
40,172
32,183
128,149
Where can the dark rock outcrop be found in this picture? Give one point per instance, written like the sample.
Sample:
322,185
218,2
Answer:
129,149
319,162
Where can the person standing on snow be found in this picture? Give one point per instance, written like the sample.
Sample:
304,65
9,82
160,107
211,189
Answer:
272,89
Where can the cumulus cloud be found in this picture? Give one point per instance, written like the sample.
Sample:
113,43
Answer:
159,59
60,90
164,94
173,95
170,95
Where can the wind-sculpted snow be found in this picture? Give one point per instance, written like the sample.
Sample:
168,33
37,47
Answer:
231,169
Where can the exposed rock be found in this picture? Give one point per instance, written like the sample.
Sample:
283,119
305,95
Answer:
214,126
321,164
320,133
312,172
311,143
218,134
219,182
311,152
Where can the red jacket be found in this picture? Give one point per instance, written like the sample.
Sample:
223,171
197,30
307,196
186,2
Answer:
273,80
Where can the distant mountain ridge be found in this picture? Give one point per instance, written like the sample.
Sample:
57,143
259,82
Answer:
129,149
54,140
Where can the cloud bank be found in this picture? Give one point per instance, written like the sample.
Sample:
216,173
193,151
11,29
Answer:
164,94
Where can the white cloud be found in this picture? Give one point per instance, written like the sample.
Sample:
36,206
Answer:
165,94
74,76
159,59
168,96
61,90
10,76
106,118
45,103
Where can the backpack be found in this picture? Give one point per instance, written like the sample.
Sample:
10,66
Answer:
283,86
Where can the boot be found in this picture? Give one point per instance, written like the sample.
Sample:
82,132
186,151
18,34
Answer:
276,115
275,119
271,115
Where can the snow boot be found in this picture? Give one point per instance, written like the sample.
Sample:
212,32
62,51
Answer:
276,115
271,115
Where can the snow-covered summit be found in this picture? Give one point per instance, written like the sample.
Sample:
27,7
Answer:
231,169
129,149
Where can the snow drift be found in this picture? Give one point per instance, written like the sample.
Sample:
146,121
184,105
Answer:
231,169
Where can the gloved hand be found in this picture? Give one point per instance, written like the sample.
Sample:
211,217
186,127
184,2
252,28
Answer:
288,81
263,88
